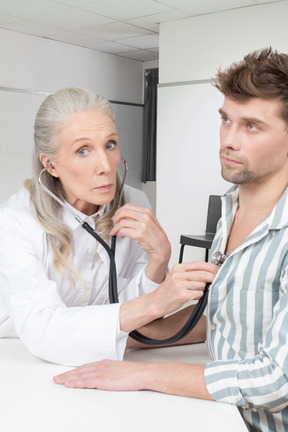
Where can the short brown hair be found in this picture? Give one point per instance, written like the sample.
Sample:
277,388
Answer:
262,73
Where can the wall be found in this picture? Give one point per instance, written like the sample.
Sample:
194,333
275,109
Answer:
33,67
191,50
129,125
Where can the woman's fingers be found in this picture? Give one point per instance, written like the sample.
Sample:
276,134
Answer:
205,271
141,225
134,217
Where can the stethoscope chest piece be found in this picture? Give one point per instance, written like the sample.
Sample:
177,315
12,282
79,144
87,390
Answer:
218,258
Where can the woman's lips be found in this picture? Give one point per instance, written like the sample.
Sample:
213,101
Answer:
104,188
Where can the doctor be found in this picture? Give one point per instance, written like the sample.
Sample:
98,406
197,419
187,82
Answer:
53,274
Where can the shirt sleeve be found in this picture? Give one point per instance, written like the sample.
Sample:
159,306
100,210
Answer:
260,381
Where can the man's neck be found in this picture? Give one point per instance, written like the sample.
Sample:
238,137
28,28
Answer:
260,198
255,203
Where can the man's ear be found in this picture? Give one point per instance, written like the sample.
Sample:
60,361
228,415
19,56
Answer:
47,163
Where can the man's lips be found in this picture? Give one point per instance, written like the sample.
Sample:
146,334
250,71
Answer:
229,161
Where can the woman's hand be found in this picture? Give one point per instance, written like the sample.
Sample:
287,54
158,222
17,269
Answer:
185,282
140,224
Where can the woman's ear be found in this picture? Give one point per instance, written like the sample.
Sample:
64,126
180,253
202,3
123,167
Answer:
46,162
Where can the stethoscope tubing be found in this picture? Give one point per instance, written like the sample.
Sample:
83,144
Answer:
113,298
112,283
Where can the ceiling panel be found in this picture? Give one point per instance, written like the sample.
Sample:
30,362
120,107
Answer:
72,19
128,28
76,38
29,8
126,9
33,28
117,30
142,42
151,22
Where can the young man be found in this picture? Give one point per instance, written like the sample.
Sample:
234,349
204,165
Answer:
247,312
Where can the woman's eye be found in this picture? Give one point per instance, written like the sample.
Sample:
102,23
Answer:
111,145
82,152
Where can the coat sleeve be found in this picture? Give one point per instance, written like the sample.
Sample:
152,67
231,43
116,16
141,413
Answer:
41,319
30,300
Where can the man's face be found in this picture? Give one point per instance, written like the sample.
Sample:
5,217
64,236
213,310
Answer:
253,141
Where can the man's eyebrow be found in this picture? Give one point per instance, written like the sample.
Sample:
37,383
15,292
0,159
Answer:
254,120
245,119
222,112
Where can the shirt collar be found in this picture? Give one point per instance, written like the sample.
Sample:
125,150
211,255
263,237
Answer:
70,220
277,219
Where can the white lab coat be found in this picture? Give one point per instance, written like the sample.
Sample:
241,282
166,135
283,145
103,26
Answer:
56,322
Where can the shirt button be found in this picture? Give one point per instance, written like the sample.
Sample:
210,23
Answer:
212,327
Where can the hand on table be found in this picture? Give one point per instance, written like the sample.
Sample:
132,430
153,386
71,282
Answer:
103,375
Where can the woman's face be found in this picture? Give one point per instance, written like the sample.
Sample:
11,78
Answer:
87,160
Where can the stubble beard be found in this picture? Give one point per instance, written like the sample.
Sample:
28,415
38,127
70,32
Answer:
238,178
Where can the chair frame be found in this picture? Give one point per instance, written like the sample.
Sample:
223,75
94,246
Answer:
205,240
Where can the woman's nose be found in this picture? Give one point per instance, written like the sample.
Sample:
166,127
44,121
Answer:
102,163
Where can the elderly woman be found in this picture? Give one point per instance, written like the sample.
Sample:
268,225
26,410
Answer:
53,274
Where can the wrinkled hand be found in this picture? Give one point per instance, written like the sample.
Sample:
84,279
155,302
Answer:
185,282
140,224
103,375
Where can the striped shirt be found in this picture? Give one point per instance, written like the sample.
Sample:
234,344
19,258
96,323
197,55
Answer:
247,320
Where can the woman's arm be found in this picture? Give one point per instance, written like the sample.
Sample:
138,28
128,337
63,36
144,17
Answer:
184,283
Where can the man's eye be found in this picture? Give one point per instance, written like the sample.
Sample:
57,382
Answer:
225,119
251,126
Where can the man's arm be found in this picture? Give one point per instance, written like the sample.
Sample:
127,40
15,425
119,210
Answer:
172,378
164,328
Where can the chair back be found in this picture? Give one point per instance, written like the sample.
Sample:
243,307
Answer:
213,213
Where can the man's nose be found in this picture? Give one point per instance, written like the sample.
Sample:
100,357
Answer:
229,137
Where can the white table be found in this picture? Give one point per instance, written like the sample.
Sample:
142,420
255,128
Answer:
31,402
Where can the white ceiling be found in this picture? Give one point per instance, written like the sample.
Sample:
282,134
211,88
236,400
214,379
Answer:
127,28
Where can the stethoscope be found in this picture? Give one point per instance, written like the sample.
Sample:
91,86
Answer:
218,258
